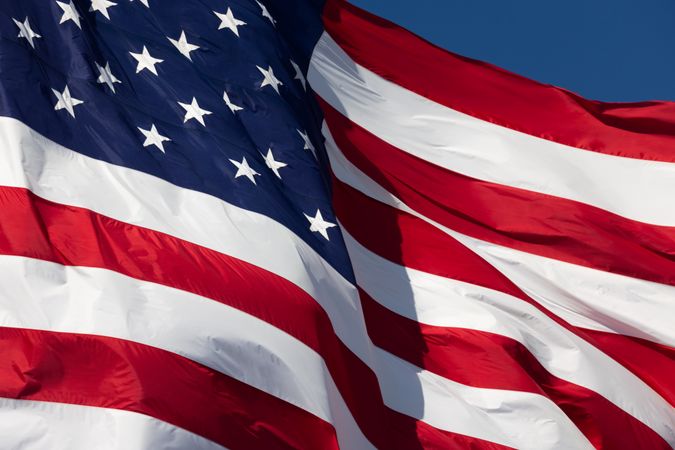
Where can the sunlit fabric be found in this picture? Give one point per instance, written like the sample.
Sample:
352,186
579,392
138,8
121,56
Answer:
291,224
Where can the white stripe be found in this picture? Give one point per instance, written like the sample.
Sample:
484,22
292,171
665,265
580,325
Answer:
625,390
63,176
42,295
637,189
33,425
582,296
517,419
586,296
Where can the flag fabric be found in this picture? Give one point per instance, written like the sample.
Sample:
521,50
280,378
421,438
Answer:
291,224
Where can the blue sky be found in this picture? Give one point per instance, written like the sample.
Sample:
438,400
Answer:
612,50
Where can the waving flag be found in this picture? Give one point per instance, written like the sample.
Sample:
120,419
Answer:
288,224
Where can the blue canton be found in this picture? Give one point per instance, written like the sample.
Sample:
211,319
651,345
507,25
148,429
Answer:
209,95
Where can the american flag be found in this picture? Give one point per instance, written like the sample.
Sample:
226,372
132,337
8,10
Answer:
291,224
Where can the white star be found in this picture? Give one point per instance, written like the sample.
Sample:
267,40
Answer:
193,111
234,108
65,101
244,170
308,142
106,76
230,22
270,79
265,12
152,137
299,75
272,164
146,61
183,45
26,32
69,13
102,7
318,225
145,2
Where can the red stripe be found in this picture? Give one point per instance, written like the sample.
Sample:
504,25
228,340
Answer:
428,249
536,223
653,363
499,362
112,373
37,228
637,130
